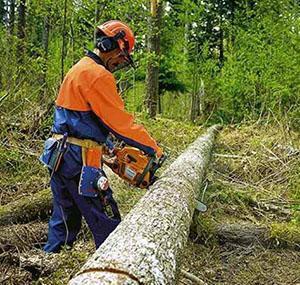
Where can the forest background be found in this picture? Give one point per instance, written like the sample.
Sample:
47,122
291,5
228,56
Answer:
222,61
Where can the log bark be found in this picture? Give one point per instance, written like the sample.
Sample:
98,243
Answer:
26,209
145,247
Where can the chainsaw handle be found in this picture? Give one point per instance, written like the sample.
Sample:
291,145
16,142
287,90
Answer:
162,159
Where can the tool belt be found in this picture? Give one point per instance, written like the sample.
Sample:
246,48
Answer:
91,150
91,172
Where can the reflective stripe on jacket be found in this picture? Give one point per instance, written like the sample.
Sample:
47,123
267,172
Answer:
89,106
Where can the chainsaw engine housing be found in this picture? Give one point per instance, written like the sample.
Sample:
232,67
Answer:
132,165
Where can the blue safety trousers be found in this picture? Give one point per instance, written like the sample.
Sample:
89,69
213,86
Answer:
68,205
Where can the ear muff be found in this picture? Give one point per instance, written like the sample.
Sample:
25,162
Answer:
106,44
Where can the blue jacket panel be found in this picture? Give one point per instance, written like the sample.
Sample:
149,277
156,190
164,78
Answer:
86,125
79,124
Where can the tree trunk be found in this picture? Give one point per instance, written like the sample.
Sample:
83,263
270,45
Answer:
186,33
153,61
21,31
72,34
63,46
160,103
46,31
97,12
221,35
221,47
145,247
197,96
11,21
45,41
2,12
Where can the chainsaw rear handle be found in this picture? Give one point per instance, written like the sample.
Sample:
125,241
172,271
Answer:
159,163
162,159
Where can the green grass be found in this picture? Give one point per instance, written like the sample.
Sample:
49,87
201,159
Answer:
251,166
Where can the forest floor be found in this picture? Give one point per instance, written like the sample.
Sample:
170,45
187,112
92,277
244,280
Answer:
249,235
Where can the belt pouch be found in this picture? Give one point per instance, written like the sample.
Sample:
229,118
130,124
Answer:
90,172
88,177
50,153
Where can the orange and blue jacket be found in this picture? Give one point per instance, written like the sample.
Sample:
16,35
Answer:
89,107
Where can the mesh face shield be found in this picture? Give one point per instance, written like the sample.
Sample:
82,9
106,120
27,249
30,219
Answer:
127,59
127,56
106,43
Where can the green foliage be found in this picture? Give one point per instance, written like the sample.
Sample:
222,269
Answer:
245,52
168,80
259,75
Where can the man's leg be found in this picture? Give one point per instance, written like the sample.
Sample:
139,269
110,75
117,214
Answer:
93,211
65,221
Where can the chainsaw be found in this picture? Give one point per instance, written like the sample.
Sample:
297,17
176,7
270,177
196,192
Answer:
131,164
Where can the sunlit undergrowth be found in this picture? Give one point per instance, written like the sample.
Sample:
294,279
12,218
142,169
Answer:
255,175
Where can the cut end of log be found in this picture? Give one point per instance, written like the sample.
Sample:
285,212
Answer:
96,277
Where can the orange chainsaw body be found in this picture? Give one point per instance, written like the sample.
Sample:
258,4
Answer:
131,164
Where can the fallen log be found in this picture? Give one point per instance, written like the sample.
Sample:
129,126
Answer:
30,208
27,208
145,247
274,235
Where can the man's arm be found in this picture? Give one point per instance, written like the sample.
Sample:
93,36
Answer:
106,103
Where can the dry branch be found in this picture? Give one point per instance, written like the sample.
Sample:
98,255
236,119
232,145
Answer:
21,237
145,246
195,280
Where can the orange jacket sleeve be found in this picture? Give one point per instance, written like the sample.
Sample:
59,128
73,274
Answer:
106,103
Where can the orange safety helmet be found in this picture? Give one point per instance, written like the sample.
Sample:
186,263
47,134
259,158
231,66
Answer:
113,27
119,35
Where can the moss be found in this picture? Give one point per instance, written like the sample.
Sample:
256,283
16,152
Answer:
286,233
203,228
71,261
237,183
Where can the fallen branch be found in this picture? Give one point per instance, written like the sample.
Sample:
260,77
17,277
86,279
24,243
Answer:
26,209
145,246
192,277
21,237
